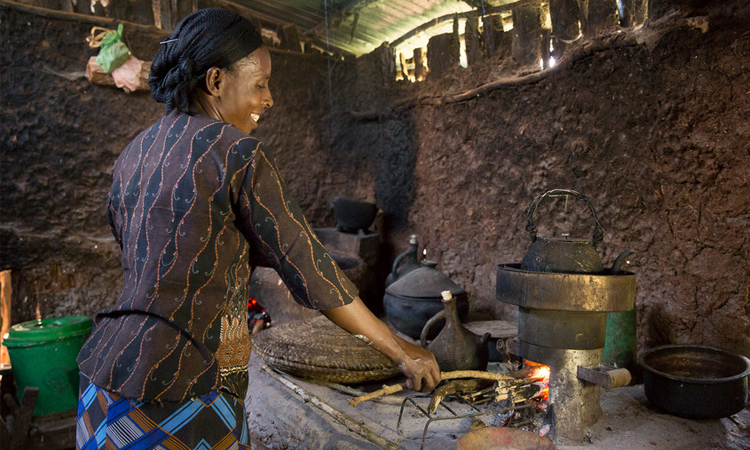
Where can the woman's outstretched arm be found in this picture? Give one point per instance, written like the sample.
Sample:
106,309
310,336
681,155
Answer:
417,363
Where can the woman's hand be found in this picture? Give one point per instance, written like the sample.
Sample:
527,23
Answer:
415,362
419,366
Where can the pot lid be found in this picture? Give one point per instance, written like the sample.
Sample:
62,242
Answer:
424,282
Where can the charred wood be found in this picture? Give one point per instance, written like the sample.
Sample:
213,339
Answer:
489,36
180,9
471,38
78,17
420,69
441,51
566,19
601,16
527,35
290,38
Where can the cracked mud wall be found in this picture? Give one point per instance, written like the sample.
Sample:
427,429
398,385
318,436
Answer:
654,132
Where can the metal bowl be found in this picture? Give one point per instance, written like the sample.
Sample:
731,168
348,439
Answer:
695,382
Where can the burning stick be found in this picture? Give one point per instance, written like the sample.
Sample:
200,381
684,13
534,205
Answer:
456,387
388,390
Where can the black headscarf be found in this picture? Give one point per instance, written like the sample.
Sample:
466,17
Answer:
211,37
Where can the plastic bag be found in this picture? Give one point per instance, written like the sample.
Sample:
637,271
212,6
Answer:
132,76
113,51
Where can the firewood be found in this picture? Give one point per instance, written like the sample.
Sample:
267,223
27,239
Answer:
388,390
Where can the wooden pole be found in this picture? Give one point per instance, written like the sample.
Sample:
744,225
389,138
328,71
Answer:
6,292
601,15
420,69
471,38
527,35
566,19
290,38
633,13
489,38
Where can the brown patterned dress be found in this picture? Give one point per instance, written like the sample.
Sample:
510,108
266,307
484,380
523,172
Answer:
194,205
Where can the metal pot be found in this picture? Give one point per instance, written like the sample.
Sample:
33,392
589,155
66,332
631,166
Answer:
353,215
565,254
412,299
695,382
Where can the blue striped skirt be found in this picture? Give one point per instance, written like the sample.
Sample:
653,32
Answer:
107,420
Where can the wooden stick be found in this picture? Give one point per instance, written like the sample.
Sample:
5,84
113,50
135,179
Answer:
388,390
473,374
76,17
6,292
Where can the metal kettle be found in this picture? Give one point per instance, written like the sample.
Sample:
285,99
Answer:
565,254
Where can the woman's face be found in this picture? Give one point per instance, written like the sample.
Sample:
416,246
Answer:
243,91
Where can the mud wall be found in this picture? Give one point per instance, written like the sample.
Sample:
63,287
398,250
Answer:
652,128
649,124
60,136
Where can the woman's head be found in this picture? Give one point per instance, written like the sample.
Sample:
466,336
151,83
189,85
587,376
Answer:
206,48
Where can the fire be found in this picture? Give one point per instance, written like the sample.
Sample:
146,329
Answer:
540,374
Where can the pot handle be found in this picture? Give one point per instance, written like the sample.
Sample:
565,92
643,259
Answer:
428,325
531,228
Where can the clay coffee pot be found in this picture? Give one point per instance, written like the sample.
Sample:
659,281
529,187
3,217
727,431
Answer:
409,260
414,297
565,254
455,347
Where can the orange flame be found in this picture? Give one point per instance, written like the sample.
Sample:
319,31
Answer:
540,374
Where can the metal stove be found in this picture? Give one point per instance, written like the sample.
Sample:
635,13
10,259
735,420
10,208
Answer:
562,324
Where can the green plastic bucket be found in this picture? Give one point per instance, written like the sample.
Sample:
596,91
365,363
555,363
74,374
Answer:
43,355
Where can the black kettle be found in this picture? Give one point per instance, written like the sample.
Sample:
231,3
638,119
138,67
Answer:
565,254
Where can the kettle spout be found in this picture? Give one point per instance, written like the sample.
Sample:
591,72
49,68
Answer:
617,265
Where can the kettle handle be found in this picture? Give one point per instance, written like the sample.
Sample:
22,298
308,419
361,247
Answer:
423,337
531,228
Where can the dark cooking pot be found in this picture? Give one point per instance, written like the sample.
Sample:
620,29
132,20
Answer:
695,382
353,215
415,297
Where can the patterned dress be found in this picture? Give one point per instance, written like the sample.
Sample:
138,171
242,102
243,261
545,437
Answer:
195,204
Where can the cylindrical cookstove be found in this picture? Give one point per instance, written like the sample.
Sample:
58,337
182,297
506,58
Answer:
562,324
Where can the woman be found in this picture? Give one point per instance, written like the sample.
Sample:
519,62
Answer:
196,204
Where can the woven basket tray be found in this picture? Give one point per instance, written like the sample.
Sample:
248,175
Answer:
317,349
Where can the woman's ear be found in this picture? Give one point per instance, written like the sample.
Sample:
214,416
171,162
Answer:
214,78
